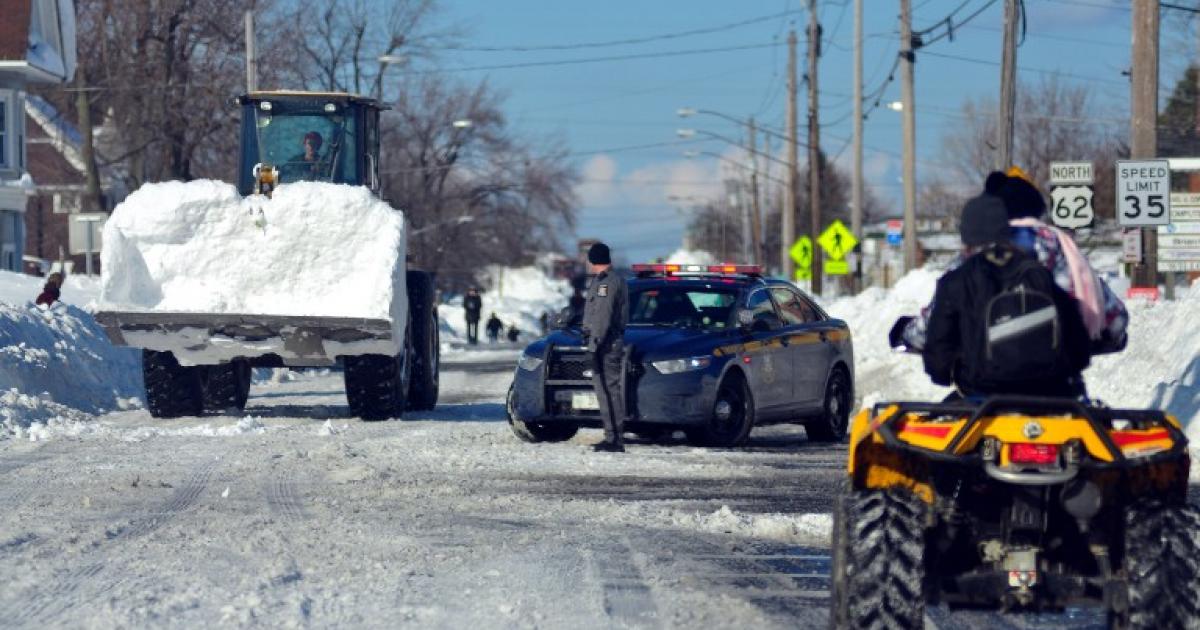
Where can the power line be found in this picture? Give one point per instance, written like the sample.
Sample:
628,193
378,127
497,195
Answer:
624,42
567,62
986,62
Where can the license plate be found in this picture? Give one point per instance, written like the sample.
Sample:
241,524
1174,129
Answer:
584,400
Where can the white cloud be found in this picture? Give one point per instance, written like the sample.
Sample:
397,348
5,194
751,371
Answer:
598,186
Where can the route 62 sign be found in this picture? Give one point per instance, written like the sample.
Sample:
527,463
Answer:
1071,206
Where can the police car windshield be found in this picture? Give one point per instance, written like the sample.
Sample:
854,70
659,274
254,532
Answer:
682,307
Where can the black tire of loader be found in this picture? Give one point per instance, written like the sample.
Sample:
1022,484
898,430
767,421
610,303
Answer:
886,570
227,386
423,388
171,389
374,386
1162,564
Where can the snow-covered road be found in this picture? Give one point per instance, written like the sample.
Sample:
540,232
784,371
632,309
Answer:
297,515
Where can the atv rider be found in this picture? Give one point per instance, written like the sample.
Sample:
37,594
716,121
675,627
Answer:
982,350
1103,313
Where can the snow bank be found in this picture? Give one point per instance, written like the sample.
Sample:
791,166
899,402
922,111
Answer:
517,296
813,529
57,364
313,249
18,289
684,256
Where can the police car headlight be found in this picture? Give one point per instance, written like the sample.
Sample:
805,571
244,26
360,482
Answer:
529,362
675,366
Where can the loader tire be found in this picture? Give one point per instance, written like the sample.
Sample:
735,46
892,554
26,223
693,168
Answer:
172,390
426,341
227,386
375,386
886,560
1162,564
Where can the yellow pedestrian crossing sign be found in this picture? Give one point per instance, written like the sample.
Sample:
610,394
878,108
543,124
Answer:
837,241
837,267
802,253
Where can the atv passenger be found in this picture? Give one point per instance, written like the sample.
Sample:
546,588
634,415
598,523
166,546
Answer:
1103,313
974,344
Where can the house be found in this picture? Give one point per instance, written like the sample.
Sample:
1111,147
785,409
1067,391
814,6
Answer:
55,226
37,45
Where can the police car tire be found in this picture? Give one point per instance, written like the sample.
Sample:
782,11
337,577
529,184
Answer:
534,432
375,386
172,390
886,560
1162,565
734,385
425,382
831,425
227,386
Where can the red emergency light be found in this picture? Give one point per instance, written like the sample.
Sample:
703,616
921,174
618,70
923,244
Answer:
671,269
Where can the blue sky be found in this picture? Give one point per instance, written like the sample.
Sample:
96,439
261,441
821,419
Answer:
601,108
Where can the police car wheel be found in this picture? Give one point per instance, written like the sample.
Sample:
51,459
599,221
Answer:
831,425
732,416
534,432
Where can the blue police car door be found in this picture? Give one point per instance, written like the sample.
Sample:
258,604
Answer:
770,365
809,353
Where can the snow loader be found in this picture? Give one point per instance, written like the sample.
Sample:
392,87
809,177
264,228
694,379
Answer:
302,264
1015,503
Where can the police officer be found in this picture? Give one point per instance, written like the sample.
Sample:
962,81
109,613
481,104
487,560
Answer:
604,318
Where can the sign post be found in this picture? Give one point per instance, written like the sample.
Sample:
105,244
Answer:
1071,194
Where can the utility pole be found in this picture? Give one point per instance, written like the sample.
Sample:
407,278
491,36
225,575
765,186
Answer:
907,58
251,55
814,145
788,213
755,216
856,186
1008,88
1144,113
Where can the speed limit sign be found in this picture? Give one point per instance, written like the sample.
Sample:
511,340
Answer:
1071,206
1143,192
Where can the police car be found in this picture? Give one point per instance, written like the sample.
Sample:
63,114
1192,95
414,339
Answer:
712,350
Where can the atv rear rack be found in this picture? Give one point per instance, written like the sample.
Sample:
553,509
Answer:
1099,418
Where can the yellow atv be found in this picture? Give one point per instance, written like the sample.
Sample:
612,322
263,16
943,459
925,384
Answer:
1015,503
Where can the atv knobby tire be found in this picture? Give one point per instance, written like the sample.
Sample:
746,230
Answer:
831,425
423,388
1162,564
375,386
534,432
226,386
172,390
883,566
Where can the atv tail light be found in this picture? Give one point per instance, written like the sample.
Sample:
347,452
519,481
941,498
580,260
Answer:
1022,453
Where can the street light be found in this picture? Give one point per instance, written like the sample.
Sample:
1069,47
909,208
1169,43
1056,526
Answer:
896,106
462,123
459,220
393,59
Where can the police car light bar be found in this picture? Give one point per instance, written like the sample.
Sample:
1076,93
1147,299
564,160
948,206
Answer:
670,269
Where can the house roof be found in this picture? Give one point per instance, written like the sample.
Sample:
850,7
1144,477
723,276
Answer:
14,29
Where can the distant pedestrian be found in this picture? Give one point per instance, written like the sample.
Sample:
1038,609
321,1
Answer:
513,333
51,290
544,321
494,326
604,318
472,305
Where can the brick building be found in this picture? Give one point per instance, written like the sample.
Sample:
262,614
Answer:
37,45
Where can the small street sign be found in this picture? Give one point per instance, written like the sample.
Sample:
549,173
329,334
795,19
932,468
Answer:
802,253
1070,173
1131,246
1179,241
1143,193
837,267
837,241
895,231
1071,206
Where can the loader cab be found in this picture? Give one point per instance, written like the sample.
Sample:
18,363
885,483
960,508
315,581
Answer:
310,136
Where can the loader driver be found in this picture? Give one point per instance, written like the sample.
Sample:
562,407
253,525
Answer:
307,166
604,318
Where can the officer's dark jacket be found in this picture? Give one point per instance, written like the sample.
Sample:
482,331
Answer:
473,304
954,350
607,309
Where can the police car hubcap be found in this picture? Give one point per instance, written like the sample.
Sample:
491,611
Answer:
724,410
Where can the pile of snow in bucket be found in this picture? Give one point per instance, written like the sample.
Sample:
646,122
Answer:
313,249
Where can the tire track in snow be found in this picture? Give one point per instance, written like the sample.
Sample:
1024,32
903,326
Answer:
280,493
627,598
64,593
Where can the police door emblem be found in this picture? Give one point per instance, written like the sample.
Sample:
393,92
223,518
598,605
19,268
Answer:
602,290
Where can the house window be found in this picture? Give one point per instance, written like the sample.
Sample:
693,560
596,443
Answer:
66,203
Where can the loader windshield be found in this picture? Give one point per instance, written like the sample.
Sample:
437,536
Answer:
305,141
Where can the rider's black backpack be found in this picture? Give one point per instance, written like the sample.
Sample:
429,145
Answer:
1023,329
